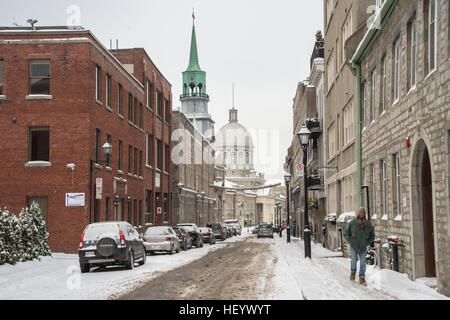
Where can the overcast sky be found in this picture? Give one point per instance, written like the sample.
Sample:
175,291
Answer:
263,46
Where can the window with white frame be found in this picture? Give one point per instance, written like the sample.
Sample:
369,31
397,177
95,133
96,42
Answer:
398,192
383,84
348,123
373,96
149,94
432,34
331,141
396,75
346,33
374,191
413,55
383,171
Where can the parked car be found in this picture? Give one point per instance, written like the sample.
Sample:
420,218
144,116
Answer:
230,230
237,228
208,235
219,230
192,229
254,230
110,243
265,230
184,237
161,239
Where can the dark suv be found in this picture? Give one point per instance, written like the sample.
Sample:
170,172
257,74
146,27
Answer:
192,229
110,243
218,229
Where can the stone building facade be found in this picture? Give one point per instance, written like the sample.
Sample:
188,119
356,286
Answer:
193,174
344,26
405,106
63,96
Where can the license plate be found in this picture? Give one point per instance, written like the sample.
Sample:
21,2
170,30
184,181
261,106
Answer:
89,254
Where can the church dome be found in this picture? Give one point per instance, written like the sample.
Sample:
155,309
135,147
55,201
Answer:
232,135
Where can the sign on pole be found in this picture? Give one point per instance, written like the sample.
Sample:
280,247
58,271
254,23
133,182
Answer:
299,170
98,188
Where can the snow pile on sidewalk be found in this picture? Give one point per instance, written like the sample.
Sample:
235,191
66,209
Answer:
326,277
59,278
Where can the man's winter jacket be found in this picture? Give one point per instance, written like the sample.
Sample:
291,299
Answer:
359,237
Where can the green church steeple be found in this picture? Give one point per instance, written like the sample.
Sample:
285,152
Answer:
194,79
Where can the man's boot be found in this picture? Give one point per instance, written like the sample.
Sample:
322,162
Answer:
352,276
362,281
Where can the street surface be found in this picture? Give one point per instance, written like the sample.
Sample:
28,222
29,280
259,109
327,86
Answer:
241,268
232,273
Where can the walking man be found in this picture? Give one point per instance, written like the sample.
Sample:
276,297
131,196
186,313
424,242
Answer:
359,233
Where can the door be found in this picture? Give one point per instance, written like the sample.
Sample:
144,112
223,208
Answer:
427,211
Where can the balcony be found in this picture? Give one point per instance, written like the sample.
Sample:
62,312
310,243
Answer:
194,95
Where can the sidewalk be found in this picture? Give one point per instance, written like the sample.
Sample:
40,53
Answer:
326,277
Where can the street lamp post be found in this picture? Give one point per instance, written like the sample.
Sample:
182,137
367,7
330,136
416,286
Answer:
304,136
280,229
287,179
107,150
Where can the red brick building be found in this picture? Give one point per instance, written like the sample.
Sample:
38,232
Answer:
63,95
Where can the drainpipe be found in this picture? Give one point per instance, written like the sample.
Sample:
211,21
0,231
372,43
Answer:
358,130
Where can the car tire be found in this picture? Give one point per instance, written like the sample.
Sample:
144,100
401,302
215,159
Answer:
178,250
85,268
130,263
144,258
201,244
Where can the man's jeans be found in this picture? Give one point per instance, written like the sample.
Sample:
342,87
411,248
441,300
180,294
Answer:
362,261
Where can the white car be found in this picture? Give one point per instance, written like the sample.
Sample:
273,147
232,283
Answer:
161,239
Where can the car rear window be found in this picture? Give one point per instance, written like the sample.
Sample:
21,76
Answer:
94,231
157,231
265,226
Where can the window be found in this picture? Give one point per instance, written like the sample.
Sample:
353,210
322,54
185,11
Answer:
166,208
413,53
42,201
130,107
140,163
374,191
166,158
148,207
98,145
397,180
129,210
383,84
39,144
149,153
39,76
159,157
348,123
108,159
166,111
135,117
108,90
135,217
432,33
120,100
149,94
119,165
363,105
130,158
383,171
97,83
346,33
141,116
396,75
331,141
140,213
107,206
136,161
373,96
159,102
1,77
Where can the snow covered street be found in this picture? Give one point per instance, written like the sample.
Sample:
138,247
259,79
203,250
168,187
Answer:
326,277
287,276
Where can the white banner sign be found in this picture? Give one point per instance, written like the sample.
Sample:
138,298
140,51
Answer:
98,188
75,199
